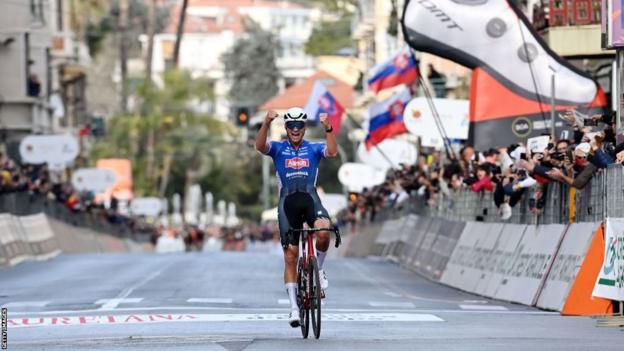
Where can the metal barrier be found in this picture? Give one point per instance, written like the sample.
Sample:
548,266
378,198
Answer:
602,197
23,204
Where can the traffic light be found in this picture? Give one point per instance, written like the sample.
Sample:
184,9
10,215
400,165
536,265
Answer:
98,127
242,116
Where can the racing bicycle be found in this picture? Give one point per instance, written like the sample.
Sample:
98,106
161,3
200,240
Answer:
308,281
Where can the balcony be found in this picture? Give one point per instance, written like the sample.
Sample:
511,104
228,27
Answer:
22,116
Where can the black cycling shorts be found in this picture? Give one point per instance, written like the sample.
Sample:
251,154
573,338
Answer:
295,209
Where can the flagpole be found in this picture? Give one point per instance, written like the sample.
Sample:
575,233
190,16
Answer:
436,117
376,147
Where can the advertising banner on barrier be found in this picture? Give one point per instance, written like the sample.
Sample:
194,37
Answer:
610,283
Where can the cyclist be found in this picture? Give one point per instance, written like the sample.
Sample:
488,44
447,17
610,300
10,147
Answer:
296,162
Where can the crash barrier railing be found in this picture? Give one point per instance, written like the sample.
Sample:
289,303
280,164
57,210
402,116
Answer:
550,261
24,203
27,237
39,237
550,266
33,227
602,197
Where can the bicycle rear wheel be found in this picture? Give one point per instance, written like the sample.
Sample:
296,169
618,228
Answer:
315,296
302,300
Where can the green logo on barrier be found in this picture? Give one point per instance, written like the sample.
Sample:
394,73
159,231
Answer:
611,255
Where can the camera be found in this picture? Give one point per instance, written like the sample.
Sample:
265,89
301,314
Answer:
590,122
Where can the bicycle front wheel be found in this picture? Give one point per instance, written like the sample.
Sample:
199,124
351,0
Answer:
315,296
302,299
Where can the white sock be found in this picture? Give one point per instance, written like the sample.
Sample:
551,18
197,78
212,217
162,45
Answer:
291,288
320,257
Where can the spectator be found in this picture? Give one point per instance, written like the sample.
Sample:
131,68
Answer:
582,170
34,85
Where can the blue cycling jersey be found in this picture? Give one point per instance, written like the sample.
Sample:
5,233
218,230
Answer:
296,169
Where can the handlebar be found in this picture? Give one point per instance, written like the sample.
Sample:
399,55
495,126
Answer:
335,230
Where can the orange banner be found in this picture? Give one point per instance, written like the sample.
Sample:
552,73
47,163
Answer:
122,189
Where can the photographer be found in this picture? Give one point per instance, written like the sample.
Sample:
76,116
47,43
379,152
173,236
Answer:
582,171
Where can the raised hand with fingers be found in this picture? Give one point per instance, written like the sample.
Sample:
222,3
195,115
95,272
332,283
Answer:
325,122
270,116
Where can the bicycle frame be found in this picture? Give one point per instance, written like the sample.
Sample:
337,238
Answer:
308,238
310,294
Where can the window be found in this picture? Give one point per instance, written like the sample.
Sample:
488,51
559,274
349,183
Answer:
581,8
597,11
290,82
36,10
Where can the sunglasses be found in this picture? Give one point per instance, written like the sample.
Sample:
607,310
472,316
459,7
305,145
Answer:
295,125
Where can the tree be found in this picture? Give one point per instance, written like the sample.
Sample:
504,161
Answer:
331,5
330,36
179,33
167,130
189,148
250,66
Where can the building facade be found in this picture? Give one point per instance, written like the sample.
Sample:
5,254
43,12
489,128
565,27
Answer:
42,79
211,29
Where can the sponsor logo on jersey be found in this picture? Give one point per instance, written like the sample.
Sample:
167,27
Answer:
297,163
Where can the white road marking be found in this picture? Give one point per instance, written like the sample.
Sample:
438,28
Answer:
209,300
393,294
379,282
287,302
109,304
391,304
162,309
475,301
126,292
26,304
233,317
483,308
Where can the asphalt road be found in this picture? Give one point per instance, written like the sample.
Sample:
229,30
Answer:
236,301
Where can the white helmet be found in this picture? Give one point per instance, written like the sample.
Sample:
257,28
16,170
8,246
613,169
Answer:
295,114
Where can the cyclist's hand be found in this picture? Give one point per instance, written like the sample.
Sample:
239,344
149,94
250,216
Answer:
324,120
270,116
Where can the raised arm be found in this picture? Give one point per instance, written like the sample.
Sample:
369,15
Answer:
261,139
330,137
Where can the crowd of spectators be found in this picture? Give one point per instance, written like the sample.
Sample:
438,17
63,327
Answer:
39,182
218,238
507,172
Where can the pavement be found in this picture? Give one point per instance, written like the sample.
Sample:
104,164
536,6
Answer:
237,301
